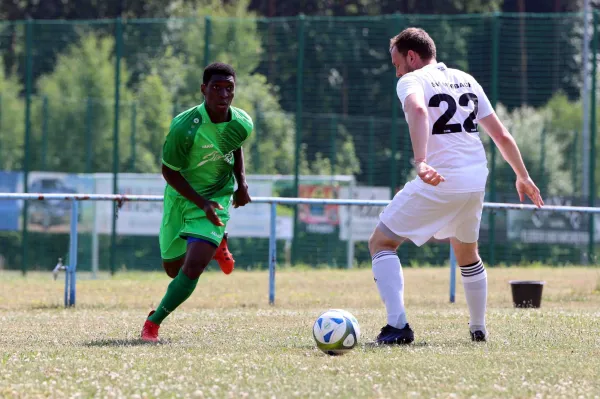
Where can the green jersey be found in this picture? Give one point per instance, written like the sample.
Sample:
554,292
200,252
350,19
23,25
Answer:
202,151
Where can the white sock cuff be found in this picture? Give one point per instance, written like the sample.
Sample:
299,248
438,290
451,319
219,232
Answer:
473,272
383,255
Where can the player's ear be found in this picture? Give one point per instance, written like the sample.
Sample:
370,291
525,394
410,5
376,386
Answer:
203,89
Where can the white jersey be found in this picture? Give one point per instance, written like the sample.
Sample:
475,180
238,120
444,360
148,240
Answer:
455,103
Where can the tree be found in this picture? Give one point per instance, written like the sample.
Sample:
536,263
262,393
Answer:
80,95
12,116
273,8
543,152
233,38
83,9
153,119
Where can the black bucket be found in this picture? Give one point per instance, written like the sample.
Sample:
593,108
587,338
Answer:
526,293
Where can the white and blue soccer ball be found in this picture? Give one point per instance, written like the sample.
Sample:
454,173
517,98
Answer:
336,332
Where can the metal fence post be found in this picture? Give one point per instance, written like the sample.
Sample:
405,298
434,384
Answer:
26,166
118,54
272,252
333,143
133,133
452,275
592,199
44,132
72,267
299,92
493,100
89,147
371,151
255,145
333,137
394,146
574,154
207,37
542,179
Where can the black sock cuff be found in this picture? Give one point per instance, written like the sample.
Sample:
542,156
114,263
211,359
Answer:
472,269
381,254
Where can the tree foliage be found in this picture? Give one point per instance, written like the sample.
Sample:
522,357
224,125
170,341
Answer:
544,155
12,116
80,95
346,73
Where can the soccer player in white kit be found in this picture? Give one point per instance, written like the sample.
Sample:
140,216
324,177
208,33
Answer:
443,107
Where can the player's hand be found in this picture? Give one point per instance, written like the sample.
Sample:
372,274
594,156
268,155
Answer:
241,196
211,214
428,174
526,187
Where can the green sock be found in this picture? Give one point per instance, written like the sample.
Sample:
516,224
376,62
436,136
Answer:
178,291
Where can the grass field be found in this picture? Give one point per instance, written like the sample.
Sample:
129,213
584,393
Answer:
226,341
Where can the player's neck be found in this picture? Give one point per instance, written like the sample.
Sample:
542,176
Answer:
219,117
432,61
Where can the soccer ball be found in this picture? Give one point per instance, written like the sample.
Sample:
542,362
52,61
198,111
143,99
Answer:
336,332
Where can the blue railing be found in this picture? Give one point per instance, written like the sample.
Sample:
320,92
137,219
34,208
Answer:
70,270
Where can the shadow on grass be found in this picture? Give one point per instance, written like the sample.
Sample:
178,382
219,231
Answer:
61,306
43,306
375,345
123,342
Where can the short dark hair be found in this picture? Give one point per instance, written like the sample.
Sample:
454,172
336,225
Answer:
217,68
415,39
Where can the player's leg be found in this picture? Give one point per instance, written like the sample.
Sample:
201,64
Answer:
203,239
199,254
224,257
474,279
398,221
387,273
472,270
388,276
172,245
172,267
415,214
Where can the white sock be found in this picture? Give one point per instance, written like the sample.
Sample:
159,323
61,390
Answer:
474,278
390,283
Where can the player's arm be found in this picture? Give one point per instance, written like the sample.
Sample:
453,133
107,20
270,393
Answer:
418,125
510,151
241,196
183,187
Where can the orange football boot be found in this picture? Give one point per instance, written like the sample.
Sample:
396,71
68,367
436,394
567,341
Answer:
224,257
150,330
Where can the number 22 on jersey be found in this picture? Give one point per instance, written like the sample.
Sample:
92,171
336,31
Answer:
441,126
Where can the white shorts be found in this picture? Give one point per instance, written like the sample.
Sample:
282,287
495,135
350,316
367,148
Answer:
419,214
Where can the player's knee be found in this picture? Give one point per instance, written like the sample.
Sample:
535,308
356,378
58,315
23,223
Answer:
172,267
372,243
377,243
194,267
171,273
465,253
380,242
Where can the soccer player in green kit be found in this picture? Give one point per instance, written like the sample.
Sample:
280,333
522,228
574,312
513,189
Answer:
202,159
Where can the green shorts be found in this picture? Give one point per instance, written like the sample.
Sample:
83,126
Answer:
182,219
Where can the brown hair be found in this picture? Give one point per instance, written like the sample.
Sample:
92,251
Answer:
415,39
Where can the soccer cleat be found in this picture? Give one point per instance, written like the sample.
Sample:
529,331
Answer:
478,336
224,257
395,336
150,330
